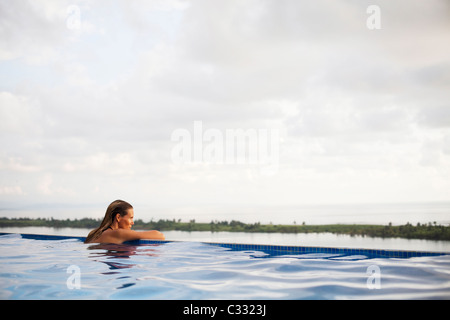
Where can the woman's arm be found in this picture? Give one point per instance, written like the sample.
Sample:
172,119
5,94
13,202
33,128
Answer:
122,235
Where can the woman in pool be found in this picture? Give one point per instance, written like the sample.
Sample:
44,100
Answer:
116,226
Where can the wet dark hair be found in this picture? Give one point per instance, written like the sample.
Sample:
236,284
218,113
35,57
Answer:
116,207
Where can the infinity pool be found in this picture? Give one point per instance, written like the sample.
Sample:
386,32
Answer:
66,268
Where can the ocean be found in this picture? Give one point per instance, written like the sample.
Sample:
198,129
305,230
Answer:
381,214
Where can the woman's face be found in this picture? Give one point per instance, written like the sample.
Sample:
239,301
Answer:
126,221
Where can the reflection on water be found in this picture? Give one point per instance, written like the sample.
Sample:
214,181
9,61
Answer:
118,257
112,251
109,251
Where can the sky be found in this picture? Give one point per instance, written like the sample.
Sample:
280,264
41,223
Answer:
335,102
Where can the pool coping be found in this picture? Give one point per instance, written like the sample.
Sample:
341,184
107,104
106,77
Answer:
270,249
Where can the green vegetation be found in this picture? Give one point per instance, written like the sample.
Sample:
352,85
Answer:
430,231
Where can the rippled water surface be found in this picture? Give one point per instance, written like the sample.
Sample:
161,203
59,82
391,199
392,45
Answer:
69,269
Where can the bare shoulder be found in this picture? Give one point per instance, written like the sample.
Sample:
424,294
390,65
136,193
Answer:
110,236
122,235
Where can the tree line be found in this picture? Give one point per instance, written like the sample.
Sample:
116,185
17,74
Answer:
428,231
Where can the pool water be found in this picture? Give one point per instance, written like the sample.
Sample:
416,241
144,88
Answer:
69,269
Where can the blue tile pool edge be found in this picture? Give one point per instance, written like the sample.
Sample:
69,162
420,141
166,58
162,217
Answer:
270,249
297,250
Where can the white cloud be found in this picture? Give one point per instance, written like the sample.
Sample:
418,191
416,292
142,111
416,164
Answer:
19,114
87,114
18,165
30,29
11,190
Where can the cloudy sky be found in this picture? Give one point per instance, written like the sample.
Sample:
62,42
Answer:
91,93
